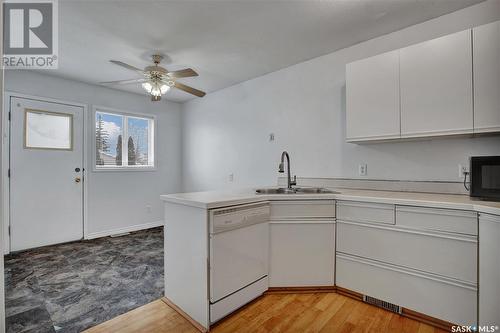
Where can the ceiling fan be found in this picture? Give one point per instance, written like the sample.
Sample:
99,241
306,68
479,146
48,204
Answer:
158,80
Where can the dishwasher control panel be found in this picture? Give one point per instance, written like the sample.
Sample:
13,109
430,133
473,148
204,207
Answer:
229,218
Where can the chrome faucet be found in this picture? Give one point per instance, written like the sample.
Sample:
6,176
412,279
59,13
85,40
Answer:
281,169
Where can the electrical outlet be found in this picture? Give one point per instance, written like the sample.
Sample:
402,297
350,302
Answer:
271,137
149,209
362,169
231,177
462,169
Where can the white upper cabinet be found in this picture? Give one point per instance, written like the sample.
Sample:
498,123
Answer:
436,86
486,41
372,98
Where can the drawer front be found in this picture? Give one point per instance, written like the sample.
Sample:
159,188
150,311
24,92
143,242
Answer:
302,254
426,294
234,301
299,209
446,220
366,212
452,257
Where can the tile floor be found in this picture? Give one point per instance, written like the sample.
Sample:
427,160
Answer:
74,286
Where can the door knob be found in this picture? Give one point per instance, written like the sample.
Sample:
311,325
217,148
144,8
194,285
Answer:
77,179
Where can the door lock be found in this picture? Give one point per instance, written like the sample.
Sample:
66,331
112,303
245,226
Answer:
78,179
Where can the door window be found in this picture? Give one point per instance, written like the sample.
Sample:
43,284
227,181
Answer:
48,130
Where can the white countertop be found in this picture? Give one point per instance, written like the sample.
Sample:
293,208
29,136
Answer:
216,199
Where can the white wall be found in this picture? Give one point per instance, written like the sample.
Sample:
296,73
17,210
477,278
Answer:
117,200
304,106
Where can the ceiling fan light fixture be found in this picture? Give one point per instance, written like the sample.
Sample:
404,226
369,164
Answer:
164,88
157,80
155,88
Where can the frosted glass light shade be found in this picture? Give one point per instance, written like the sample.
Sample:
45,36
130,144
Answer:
164,88
155,88
147,86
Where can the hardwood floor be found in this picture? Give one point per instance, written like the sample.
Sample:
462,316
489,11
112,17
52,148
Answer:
315,312
155,317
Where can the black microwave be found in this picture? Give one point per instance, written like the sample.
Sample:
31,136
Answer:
485,177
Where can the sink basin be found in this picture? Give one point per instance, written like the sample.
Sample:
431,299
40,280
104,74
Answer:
298,190
275,191
312,190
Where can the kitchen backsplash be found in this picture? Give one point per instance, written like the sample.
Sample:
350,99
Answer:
444,187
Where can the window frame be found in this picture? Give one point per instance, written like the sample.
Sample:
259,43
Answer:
152,135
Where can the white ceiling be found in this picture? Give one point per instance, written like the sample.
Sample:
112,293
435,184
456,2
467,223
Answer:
226,42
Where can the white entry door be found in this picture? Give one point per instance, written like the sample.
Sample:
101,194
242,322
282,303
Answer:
46,173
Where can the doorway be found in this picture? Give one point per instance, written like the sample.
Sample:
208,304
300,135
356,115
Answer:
45,173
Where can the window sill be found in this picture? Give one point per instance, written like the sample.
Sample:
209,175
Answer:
125,169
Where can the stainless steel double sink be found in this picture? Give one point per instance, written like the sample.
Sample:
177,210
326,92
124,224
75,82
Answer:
295,190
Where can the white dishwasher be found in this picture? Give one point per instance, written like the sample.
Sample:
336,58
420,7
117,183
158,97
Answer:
239,247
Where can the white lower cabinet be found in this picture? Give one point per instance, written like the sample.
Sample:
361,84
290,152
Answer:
302,243
426,261
302,253
453,256
429,294
489,270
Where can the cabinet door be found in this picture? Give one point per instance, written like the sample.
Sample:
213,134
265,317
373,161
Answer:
430,294
436,87
372,98
302,253
489,270
487,78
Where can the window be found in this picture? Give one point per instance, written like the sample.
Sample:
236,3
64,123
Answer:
48,130
123,141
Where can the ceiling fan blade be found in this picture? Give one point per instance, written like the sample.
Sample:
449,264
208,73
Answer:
188,72
189,89
124,81
119,63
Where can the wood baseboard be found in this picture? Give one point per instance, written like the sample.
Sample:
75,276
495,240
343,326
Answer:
301,290
442,324
193,322
349,293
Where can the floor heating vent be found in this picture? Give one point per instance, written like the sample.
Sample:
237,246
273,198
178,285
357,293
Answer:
382,304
